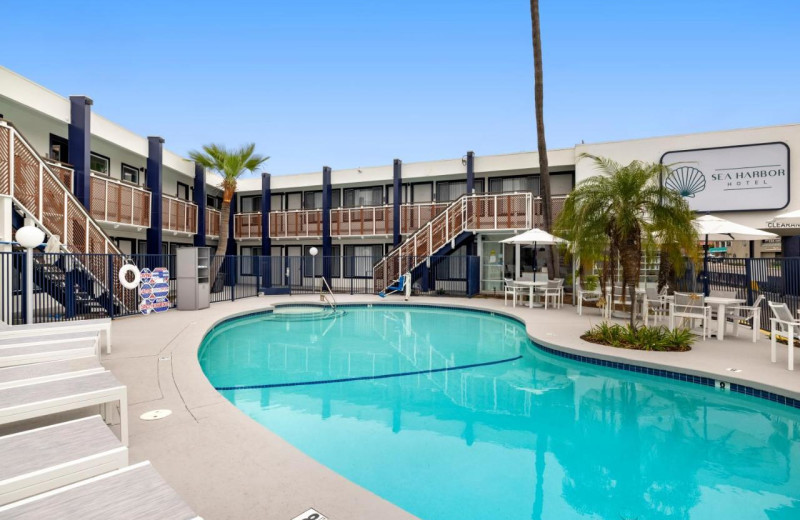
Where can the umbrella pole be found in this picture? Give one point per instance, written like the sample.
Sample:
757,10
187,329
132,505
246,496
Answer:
705,269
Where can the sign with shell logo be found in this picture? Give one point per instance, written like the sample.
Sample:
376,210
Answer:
154,290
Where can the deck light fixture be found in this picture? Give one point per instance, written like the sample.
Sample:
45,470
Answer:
29,237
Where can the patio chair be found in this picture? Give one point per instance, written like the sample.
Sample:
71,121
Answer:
783,323
653,301
136,491
510,288
618,299
42,399
691,307
101,325
588,296
50,371
38,353
36,461
553,291
750,313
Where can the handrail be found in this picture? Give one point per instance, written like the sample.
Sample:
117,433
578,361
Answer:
332,303
368,220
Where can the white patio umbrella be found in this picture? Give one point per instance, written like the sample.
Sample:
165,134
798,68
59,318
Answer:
533,237
791,217
715,228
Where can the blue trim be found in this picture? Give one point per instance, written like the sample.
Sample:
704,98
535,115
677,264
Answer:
470,172
153,175
368,378
327,244
668,374
199,196
397,169
230,247
266,241
79,135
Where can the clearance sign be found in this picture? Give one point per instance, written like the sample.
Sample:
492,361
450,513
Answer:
731,178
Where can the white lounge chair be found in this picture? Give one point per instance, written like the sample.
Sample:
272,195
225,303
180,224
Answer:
50,371
691,307
39,353
135,492
41,399
101,325
783,323
750,313
36,461
67,337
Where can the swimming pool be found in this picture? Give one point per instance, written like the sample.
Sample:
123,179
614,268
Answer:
483,425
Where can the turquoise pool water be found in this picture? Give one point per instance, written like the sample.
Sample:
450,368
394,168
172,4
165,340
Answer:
533,436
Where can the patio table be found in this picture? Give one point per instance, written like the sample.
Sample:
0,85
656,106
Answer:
720,304
531,286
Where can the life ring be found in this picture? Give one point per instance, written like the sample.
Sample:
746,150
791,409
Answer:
123,276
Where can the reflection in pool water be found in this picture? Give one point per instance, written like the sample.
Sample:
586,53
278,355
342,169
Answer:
541,437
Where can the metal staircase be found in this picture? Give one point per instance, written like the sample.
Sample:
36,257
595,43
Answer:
36,188
467,214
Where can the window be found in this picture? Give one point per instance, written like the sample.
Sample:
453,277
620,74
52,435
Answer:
357,197
360,259
447,191
183,191
276,202
318,260
294,201
130,174
251,204
511,184
59,148
213,202
336,198
99,163
421,192
312,200
250,264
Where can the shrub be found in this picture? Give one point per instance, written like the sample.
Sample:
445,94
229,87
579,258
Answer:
640,338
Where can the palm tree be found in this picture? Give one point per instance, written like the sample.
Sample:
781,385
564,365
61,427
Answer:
616,215
544,171
230,164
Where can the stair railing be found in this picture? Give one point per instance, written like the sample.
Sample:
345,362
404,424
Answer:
324,296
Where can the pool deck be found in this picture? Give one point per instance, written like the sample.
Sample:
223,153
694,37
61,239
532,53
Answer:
225,465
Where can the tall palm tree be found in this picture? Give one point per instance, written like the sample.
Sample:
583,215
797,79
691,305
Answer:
544,171
230,164
614,216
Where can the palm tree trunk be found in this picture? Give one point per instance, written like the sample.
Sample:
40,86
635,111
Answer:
544,172
219,257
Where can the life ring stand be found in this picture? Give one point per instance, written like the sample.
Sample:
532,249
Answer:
123,276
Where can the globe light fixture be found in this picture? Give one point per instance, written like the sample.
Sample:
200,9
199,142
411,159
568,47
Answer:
29,237
313,251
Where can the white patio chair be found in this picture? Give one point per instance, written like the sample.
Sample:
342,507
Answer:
654,302
783,323
36,461
593,296
750,313
691,307
509,287
554,291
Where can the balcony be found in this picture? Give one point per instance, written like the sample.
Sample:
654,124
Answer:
538,218
178,215
213,219
115,202
299,223
414,216
247,225
364,221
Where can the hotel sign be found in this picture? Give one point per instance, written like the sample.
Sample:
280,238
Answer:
731,178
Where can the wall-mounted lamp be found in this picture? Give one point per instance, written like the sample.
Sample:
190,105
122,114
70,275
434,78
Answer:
464,161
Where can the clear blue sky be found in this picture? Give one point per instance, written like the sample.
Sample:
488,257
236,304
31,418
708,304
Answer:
357,83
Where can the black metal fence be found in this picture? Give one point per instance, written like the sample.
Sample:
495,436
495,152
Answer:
778,279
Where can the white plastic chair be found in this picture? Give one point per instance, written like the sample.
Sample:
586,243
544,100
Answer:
654,301
750,313
786,324
510,288
691,307
554,291
585,295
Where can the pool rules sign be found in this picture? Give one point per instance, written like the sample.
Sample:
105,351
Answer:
731,178
154,290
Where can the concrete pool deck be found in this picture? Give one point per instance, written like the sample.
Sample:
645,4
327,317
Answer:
225,465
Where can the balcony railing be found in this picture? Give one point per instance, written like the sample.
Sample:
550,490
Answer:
364,221
117,202
247,225
178,215
414,216
64,172
295,223
213,219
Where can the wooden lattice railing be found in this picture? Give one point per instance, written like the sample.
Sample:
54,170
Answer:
213,219
469,213
115,201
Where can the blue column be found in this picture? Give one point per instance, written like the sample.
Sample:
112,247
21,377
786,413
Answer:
200,199
266,242
80,145
229,265
470,172
230,248
396,200
327,245
153,175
